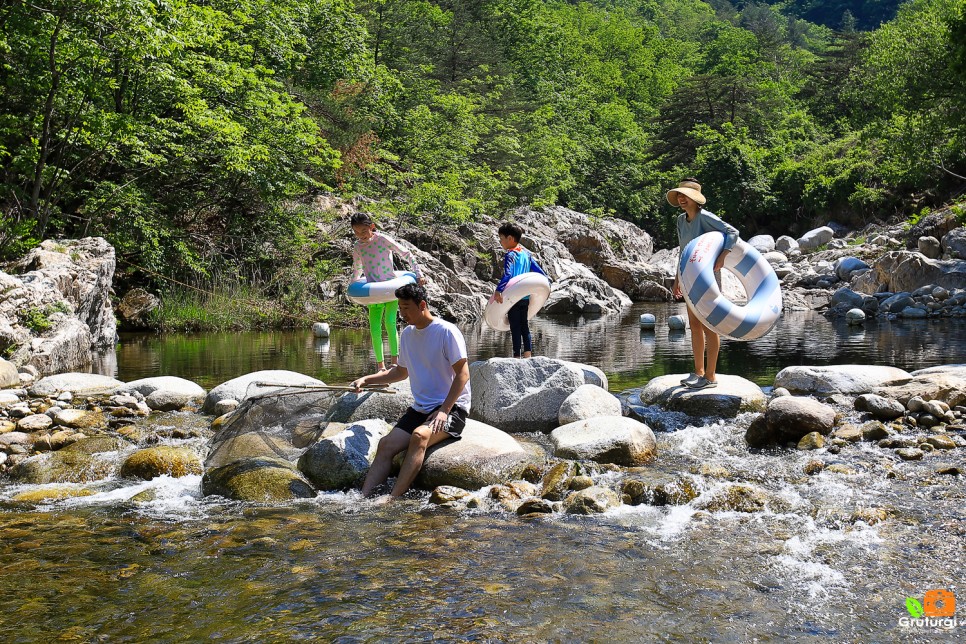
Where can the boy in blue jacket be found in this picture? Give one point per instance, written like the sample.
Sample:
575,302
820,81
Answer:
517,261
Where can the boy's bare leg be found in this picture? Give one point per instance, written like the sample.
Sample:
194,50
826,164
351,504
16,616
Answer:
396,441
422,439
713,341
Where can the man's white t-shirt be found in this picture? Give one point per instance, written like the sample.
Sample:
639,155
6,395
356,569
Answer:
429,355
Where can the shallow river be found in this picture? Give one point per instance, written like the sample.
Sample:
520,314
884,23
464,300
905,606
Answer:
831,557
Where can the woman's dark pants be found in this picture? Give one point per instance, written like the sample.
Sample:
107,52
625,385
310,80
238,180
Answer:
519,329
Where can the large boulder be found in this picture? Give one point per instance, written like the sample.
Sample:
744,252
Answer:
839,379
341,460
937,225
949,387
242,387
789,418
89,459
880,408
844,266
163,460
605,439
148,386
79,384
787,245
592,500
930,247
58,307
580,295
815,238
899,271
263,480
9,377
732,396
135,308
351,407
762,243
588,401
521,395
483,456
592,375
954,243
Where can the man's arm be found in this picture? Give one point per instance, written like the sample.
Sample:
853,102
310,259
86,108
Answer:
395,374
462,371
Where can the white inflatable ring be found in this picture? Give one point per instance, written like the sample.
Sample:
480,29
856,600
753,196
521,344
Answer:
754,319
534,285
363,292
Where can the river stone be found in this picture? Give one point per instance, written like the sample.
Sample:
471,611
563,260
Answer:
954,243
849,433
947,387
930,247
941,442
844,379
787,245
554,483
163,460
677,322
879,407
588,401
243,386
855,317
7,426
762,243
148,386
320,330
648,321
844,266
341,461
265,480
733,395
7,399
593,500
48,494
792,417
815,238
79,384
605,439
9,376
351,407
592,375
483,456
759,433
34,423
535,506
447,494
739,497
775,258
810,441
225,406
659,488
521,395
10,438
79,419
910,453
164,400
913,313
77,463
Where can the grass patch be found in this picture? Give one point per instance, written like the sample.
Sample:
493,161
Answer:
37,318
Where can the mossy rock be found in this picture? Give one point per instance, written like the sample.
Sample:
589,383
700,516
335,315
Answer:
265,480
47,494
659,489
76,463
593,500
163,460
742,498
554,482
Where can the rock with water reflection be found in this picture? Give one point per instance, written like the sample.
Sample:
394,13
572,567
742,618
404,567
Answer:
341,460
79,384
351,407
255,384
841,379
483,456
732,396
263,480
90,459
521,395
605,439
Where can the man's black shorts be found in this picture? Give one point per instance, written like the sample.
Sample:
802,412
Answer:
413,419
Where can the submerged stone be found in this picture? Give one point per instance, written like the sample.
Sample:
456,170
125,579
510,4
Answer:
263,480
163,460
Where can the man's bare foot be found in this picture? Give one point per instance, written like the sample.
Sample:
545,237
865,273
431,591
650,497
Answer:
385,499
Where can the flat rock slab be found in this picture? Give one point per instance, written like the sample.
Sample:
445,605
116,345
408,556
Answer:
172,384
605,439
839,379
732,396
483,456
79,384
9,377
243,386
947,387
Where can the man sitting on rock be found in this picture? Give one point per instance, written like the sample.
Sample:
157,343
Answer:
432,354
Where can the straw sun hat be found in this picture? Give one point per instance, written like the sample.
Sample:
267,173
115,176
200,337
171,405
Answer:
688,189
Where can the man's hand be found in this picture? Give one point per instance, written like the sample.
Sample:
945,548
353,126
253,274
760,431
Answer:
438,422
358,384
498,297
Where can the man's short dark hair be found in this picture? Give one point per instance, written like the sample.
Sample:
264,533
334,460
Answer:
412,292
510,229
361,219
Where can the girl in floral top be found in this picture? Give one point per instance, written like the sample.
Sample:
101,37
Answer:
372,256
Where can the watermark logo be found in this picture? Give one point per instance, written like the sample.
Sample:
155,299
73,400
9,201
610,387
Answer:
936,610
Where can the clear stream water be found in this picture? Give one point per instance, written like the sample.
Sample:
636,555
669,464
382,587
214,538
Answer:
831,557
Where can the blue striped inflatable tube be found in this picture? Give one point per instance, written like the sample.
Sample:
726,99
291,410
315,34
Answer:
363,292
696,270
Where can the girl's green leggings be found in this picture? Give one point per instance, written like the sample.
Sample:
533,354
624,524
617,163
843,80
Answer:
376,311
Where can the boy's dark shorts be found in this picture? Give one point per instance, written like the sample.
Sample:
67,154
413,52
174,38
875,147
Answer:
413,419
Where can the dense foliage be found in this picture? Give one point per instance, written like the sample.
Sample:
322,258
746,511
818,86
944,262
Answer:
185,130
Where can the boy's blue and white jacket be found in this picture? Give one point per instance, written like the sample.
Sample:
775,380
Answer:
518,261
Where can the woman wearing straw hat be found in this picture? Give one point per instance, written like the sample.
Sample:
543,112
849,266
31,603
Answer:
692,223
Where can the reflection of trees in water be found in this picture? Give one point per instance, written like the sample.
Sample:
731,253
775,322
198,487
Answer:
615,343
